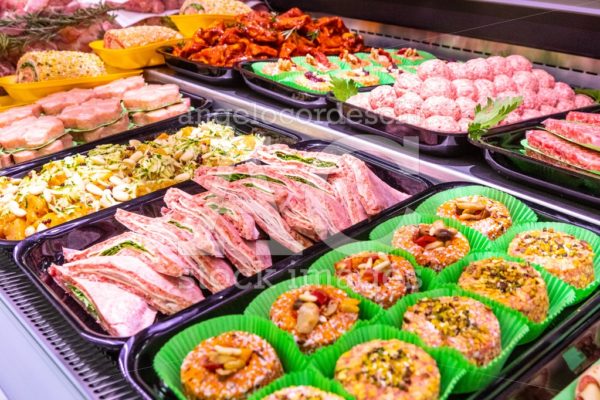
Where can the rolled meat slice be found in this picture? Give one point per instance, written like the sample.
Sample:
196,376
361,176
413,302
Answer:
586,118
578,132
563,151
166,294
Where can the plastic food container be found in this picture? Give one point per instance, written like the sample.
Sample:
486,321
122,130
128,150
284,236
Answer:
7,102
189,24
134,57
30,92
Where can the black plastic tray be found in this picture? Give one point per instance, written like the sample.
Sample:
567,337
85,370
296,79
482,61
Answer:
200,104
275,90
447,144
35,254
199,71
502,153
137,355
241,122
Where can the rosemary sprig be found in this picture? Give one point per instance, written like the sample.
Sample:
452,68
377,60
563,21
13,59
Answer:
45,25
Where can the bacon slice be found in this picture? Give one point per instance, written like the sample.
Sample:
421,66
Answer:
562,150
586,118
160,257
166,294
119,312
576,131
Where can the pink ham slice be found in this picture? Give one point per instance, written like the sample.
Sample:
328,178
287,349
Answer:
252,201
151,97
118,88
166,294
312,162
586,118
145,118
375,195
31,133
18,113
64,142
157,255
91,114
190,240
578,132
55,103
562,150
243,222
119,312
346,192
236,249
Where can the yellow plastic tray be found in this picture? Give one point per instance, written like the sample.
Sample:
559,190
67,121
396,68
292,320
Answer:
7,102
189,24
29,92
134,57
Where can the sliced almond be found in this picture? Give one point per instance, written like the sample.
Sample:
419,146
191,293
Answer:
225,372
307,297
467,205
382,266
437,225
228,351
434,245
308,318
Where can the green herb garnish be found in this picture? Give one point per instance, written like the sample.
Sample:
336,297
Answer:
593,93
343,89
309,160
89,306
238,177
126,244
180,226
491,115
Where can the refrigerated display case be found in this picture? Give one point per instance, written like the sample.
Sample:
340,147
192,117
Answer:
559,37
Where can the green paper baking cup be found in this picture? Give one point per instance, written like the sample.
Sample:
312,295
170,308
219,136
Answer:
261,305
447,362
384,232
384,78
426,56
167,362
326,262
289,80
257,68
519,212
332,59
512,330
583,234
560,294
308,377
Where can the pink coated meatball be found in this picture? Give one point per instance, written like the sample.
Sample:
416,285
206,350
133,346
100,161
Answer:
564,92
467,107
519,63
361,100
407,82
547,96
441,123
499,66
386,112
507,94
530,100
581,100
409,103
411,119
478,68
457,70
544,78
511,118
525,80
547,110
463,124
465,88
439,105
565,105
485,89
433,68
382,96
504,83
530,114
437,86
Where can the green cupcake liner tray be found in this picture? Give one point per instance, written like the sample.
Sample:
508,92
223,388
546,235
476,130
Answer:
138,356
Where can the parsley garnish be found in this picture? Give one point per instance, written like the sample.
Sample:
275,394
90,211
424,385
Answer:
491,115
343,89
